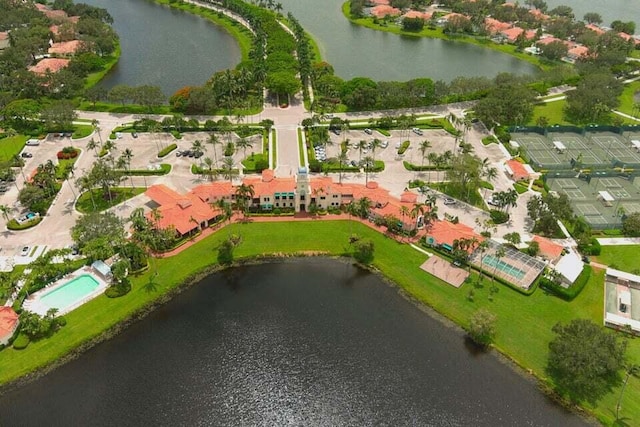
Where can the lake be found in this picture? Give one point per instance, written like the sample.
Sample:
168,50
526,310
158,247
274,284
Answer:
166,47
304,342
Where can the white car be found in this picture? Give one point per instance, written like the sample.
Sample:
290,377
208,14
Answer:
417,131
25,251
33,142
449,201
384,144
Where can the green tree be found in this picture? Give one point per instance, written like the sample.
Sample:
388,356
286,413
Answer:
585,360
363,251
594,97
631,225
482,327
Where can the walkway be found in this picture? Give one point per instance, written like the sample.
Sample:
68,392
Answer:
618,241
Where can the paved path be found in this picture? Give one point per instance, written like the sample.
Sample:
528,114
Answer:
619,241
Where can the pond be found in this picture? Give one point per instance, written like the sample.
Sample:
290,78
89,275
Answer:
304,342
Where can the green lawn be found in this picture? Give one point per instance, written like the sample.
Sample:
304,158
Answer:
85,203
81,131
627,98
553,111
623,258
10,146
523,327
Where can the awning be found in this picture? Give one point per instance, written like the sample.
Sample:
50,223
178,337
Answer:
447,247
559,145
604,195
625,297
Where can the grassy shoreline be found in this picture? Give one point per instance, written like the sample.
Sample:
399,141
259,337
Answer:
523,327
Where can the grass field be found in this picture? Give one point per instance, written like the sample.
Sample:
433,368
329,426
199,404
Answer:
10,146
627,98
523,327
85,203
553,111
623,258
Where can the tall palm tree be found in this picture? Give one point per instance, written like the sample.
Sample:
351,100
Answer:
362,145
498,255
404,211
375,144
244,194
227,168
127,155
342,159
364,206
93,145
424,146
4,210
198,147
214,141
87,184
490,174
243,143
368,164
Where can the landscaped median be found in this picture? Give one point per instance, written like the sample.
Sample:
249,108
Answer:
523,322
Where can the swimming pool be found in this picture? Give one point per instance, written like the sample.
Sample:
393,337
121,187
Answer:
67,294
503,266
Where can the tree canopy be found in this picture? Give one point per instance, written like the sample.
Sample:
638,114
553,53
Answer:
585,360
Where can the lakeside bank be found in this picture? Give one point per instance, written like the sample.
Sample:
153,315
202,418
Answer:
523,327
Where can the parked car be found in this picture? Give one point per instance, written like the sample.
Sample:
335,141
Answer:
586,259
134,134
179,153
336,131
449,201
67,134
384,144
26,155
197,154
33,142
25,251
417,131
368,131
493,202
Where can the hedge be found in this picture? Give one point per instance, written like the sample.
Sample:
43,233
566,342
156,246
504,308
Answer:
14,225
498,217
118,290
404,147
21,342
167,150
176,134
572,291
415,168
165,168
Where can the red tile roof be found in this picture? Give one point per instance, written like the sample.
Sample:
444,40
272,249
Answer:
184,213
65,48
51,64
578,51
495,26
213,191
417,14
546,40
445,232
512,34
8,322
548,248
383,10
518,169
539,14
595,29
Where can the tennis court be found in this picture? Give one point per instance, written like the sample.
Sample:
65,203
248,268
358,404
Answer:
586,201
600,150
513,266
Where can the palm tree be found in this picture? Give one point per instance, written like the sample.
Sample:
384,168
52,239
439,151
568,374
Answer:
96,125
243,143
342,159
490,174
244,194
375,144
364,205
433,159
368,163
214,141
404,211
93,145
498,255
198,147
4,210
86,184
424,146
126,156
362,145
227,168
209,163
482,248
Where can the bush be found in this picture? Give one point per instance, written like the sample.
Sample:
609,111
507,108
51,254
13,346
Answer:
176,134
165,168
363,251
498,217
488,140
67,153
482,327
165,151
572,291
404,147
21,342
14,225
118,290
229,150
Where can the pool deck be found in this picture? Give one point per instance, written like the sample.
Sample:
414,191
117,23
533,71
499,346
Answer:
34,304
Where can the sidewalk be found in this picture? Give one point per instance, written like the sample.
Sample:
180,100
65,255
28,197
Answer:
618,241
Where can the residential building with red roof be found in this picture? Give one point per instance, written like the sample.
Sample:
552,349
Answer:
378,2
383,10
494,26
512,34
593,27
539,15
417,14
66,48
578,52
52,65
9,321
549,249
186,213
445,233
518,171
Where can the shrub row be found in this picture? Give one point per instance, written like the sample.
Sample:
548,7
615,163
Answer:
403,147
572,291
167,150
165,168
